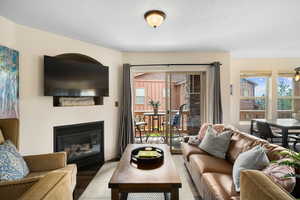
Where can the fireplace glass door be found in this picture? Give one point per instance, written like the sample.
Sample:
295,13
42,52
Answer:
79,145
83,143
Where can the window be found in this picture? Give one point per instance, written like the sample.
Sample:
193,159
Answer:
164,92
288,96
254,97
140,96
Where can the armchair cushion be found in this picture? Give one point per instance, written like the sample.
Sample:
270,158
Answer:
12,165
14,189
54,185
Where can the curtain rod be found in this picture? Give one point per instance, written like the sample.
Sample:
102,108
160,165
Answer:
201,64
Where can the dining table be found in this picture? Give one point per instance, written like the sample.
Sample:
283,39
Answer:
286,125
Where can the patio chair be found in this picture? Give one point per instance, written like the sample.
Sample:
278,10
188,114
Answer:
176,120
138,126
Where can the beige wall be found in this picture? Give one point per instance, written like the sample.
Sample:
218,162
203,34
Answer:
273,65
7,33
37,115
190,57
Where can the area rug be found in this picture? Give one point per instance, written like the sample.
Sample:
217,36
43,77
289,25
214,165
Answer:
98,187
147,196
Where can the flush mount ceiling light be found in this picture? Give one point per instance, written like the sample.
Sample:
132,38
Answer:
155,18
297,75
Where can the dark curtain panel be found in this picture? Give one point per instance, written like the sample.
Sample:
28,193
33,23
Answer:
217,102
126,127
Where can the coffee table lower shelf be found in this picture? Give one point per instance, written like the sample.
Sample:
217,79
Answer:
121,193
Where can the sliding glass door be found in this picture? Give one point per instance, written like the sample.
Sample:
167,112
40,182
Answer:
186,105
168,106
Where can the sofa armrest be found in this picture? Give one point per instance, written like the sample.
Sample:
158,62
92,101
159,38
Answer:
54,185
14,189
46,162
256,185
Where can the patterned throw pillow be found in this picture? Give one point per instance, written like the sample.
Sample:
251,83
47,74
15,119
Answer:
1,137
278,172
194,140
216,143
255,158
218,127
12,165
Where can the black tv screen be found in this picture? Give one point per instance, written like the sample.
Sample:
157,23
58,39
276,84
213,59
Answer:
68,78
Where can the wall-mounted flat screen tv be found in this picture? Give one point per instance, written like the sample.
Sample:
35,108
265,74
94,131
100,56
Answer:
67,78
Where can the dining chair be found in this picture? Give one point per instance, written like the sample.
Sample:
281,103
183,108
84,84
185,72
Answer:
296,139
265,132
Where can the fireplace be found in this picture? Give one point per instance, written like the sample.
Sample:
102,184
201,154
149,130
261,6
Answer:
84,143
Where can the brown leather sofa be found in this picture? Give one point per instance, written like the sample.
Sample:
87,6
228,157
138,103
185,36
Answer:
213,176
39,165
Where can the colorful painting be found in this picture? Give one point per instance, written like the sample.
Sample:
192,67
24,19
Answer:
9,83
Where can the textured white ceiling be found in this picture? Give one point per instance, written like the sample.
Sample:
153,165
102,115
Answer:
244,27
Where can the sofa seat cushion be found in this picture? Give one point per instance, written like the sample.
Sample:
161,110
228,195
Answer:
188,150
221,185
207,163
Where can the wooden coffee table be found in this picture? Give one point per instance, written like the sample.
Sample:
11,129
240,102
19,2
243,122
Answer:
128,179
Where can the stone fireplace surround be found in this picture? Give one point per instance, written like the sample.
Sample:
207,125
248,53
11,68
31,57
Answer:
84,143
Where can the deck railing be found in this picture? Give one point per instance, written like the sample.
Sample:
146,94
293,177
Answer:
158,123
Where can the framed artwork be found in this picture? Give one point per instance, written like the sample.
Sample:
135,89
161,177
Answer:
9,83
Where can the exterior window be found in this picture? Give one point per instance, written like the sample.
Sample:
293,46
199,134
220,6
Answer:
254,97
164,92
140,96
288,96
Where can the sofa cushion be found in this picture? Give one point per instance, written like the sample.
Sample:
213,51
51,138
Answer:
240,142
221,185
278,172
206,163
194,140
218,127
216,143
12,165
255,158
188,150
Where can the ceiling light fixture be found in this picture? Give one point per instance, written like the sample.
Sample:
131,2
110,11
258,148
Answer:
297,75
155,18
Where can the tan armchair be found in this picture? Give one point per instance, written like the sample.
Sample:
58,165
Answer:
39,165
256,185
